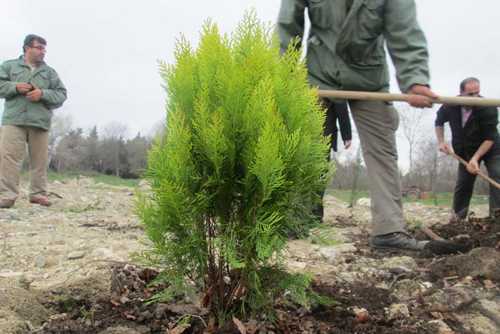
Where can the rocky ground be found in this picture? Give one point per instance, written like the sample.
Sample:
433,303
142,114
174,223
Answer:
67,269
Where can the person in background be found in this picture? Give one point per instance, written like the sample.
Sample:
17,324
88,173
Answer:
474,137
32,90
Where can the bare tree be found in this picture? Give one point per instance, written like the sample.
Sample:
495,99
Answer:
68,154
350,172
115,130
137,149
157,130
113,145
433,171
411,129
62,124
426,165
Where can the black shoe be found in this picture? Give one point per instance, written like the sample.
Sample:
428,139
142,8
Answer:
397,240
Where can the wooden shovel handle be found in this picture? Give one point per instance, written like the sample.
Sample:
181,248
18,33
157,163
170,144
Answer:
389,97
431,234
481,174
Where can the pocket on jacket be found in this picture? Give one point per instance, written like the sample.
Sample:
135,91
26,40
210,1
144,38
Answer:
18,75
320,13
370,19
319,64
41,80
364,54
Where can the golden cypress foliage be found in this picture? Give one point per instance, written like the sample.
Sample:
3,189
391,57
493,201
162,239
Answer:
239,168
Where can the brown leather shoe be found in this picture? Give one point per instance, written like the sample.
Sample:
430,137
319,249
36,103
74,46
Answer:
40,199
6,203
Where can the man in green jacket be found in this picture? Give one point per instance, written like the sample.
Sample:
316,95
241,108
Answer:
32,90
345,51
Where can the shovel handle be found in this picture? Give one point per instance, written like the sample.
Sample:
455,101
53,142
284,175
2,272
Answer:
389,97
481,174
431,234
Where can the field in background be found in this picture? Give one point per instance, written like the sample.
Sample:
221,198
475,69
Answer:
97,177
443,199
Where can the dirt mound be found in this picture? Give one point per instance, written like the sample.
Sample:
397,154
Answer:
124,308
474,232
20,308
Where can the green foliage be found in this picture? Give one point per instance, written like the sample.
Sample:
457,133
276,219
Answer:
240,166
324,235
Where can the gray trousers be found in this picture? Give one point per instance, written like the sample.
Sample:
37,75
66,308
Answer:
12,150
377,123
465,187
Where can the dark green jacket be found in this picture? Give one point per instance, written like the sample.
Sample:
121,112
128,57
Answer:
345,50
18,109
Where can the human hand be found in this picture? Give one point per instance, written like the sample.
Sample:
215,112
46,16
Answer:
347,144
421,96
473,166
445,148
34,95
23,87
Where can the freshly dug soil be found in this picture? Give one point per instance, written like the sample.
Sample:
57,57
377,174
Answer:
474,232
124,307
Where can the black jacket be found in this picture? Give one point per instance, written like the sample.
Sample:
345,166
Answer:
481,126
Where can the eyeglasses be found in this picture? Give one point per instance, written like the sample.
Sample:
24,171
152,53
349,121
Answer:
39,47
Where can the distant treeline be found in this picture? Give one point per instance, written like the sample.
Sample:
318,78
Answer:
431,172
109,152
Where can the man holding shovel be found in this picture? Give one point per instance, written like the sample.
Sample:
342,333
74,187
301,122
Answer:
474,139
345,51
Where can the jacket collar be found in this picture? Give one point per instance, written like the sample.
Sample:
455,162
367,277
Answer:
457,112
21,62
471,116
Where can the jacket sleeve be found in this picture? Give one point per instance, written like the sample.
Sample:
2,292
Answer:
54,96
406,43
7,87
441,117
291,23
488,123
344,121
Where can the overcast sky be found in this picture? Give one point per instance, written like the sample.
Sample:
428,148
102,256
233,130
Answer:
106,52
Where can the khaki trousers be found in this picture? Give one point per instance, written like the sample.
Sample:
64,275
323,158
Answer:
377,123
13,143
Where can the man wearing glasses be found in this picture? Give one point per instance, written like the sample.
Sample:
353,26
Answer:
474,138
32,90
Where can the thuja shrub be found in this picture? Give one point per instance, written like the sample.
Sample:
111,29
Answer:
240,166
